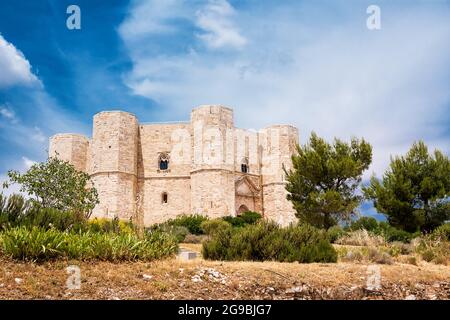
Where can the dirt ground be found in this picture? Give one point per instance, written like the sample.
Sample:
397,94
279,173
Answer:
200,279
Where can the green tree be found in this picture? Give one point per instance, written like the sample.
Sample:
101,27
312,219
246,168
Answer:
57,184
415,189
323,181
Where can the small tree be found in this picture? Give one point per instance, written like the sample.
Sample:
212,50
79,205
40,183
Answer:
322,184
414,192
57,184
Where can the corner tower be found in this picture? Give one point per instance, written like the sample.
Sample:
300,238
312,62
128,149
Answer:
114,163
278,144
212,174
70,147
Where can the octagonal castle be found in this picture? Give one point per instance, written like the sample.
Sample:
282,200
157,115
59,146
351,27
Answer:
153,172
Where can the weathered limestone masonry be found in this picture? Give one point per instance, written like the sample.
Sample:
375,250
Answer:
153,172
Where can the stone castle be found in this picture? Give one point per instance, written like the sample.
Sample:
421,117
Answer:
153,172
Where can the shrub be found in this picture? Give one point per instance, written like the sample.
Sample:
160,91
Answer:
433,249
236,222
211,227
194,238
428,255
397,248
17,211
334,233
12,209
268,241
361,238
48,218
105,225
367,223
191,222
392,234
442,232
382,229
412,260
352,256
178,232
38,244
248,217
377,256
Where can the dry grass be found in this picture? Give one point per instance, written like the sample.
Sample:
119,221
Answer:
174,279
361,238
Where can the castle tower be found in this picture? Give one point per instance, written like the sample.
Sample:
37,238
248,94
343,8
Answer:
212,174
278,144
72,148
114,163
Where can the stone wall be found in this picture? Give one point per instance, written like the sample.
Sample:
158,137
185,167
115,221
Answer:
204,174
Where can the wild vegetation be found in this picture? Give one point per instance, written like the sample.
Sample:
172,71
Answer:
267,241
53,223
190,228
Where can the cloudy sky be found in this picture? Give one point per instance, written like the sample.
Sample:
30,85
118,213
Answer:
314,64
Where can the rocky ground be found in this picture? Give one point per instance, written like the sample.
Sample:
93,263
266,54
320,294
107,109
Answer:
199,279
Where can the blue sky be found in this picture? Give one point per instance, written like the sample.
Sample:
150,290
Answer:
310,63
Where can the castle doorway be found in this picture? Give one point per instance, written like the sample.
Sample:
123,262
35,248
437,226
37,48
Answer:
243,208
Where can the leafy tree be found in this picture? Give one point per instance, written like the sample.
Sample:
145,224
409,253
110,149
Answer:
414,192
322,184
58,185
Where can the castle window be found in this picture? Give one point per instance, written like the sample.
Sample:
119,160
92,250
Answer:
164,197
244,165
163,161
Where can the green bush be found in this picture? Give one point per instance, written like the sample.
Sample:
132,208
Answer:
442,232
191,222
17,211
335,232
12,209
248,217
178,232
368,223
38,244
48,218
211,227
382,229
236,222
268,241
392,234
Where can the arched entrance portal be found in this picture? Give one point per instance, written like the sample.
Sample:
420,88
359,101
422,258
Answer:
243,208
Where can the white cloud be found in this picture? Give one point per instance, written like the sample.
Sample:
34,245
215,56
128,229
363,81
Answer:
8,113
12,189
15,68
28,162
150,17
38,135
219,29
333,77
